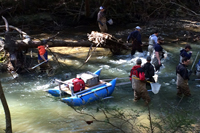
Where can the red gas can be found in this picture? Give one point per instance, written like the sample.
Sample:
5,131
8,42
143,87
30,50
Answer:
79,84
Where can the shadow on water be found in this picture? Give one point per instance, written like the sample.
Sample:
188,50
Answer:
33,110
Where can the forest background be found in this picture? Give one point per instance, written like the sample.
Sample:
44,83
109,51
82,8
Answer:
52,15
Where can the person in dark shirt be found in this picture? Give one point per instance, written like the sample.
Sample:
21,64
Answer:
158,54
135,36
183,77
149,70
184,52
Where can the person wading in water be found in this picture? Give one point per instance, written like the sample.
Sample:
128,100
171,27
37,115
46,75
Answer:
149,70
152,41
158,54
184,52
135,36
139,84
183,77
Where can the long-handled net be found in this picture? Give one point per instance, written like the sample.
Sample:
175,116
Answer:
155,87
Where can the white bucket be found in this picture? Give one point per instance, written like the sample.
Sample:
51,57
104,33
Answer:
110,21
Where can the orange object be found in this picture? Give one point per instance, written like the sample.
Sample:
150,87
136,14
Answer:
41,50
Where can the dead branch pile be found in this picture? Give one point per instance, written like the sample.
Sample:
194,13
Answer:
107,41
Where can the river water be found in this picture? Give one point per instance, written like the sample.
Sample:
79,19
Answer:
34,111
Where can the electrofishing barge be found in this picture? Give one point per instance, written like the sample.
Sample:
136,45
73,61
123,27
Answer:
84,89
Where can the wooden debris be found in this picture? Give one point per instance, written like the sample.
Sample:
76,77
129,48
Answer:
107,41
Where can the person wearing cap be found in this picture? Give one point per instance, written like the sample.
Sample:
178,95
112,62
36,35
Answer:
101,19
152,41
183,74
149,70
184,52
135,37
158,54
137,78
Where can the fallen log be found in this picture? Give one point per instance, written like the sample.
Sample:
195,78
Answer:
64,43
53,43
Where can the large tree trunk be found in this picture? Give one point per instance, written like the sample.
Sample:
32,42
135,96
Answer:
6,110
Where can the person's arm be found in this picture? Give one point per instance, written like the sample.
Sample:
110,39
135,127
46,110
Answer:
100,23
42,56
155,39
131,73
158,58
189,55
98,18
129,36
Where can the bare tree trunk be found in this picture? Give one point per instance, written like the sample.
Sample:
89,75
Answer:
6,110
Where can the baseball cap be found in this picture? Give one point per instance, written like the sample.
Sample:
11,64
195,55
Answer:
101,7
138,27
148,58
138,61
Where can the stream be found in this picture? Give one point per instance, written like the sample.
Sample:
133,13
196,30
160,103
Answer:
34,111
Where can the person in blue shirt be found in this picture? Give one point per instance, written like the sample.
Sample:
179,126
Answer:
135,37
152,41
184,52
158,54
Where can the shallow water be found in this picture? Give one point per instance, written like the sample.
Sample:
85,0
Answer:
33,110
